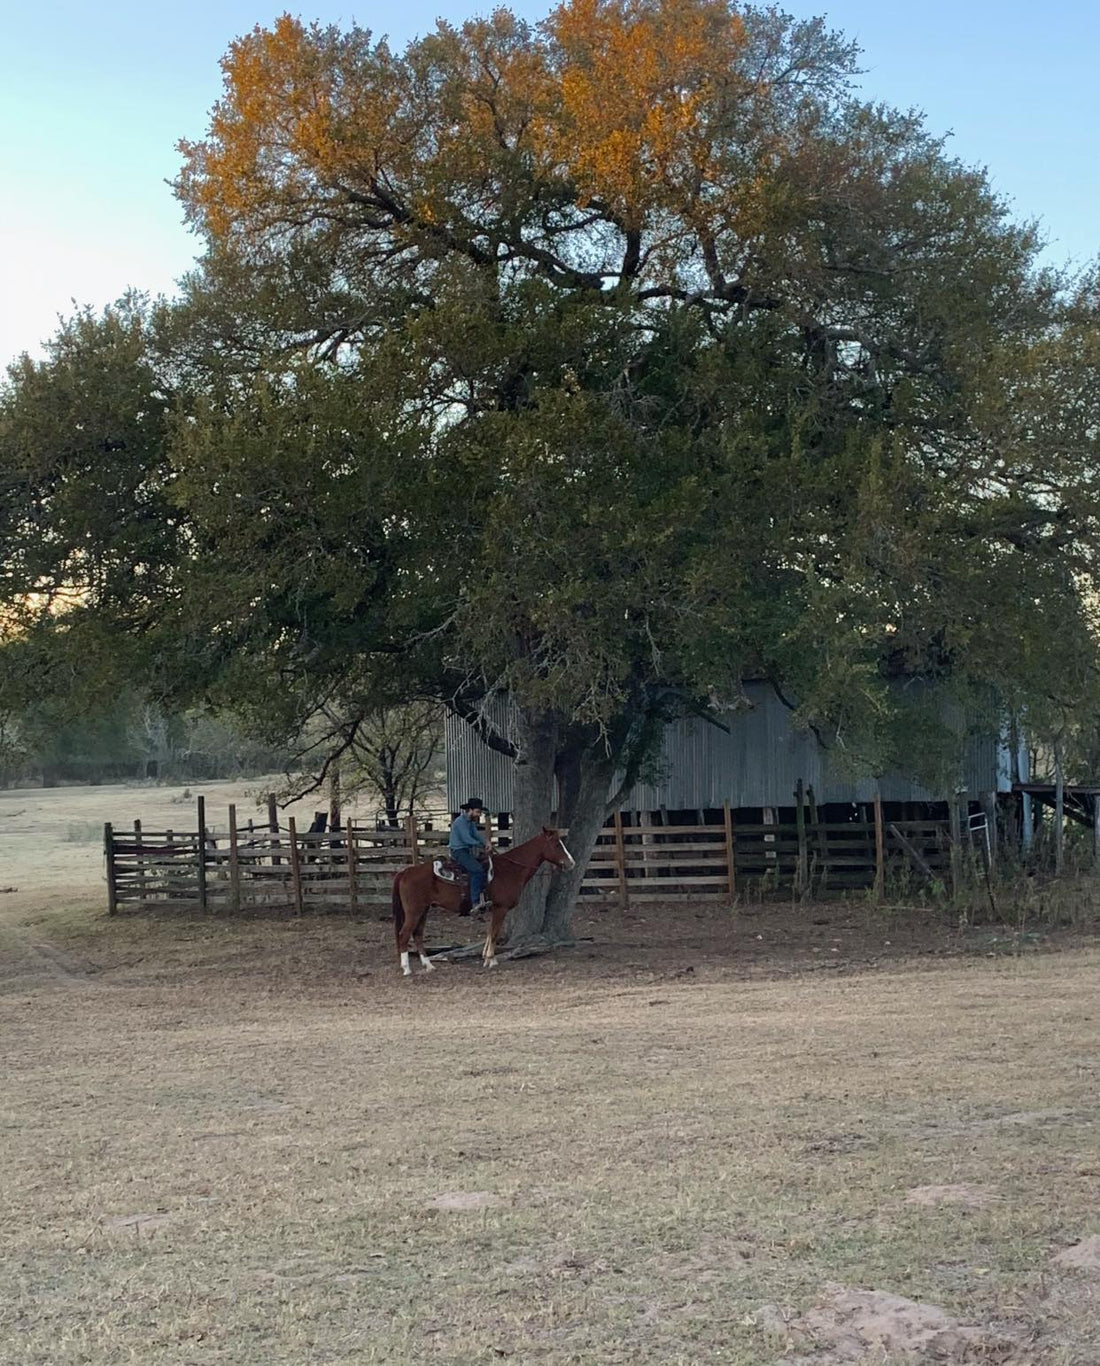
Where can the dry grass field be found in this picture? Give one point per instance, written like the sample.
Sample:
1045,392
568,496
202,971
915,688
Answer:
831,1135
52,838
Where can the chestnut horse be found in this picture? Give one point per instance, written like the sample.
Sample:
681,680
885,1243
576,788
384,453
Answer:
417,889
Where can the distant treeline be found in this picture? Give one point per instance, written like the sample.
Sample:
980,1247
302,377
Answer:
128,740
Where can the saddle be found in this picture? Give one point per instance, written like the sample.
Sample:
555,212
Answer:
447,870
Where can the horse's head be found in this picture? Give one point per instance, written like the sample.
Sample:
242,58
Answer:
552,848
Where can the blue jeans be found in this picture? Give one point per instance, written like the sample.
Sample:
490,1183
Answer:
469,861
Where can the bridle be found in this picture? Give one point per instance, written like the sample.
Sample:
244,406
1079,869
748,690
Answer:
536,869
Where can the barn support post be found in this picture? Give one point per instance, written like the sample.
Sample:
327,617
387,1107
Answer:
731,849
880,849
955,825
139,858
352,855
200,813
1027,822
234,862
802,868
273,826
620,858
1059,808
112,882
295,865
411,838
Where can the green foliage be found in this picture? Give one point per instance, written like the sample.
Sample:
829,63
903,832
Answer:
475,392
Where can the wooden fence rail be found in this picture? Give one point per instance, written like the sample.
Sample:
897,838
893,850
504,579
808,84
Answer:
353,867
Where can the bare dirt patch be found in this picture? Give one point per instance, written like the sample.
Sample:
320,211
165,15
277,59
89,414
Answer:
850,1325
465,1200
963,1193
1083,1256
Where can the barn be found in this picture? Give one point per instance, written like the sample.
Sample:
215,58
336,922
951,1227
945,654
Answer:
762,798
753,762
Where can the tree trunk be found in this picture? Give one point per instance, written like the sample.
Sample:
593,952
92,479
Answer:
533,799
586,820
550,748
335,820
567,770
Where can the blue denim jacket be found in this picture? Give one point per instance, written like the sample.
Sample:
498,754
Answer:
465,834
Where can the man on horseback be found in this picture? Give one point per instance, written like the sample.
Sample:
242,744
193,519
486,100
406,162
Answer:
468,846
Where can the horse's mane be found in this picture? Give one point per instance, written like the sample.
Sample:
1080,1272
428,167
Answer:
503,858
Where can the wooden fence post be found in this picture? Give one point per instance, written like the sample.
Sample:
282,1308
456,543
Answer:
411,837
731,849
273,826
880,849
295,867
112,884
821,840
620,858
140,861
352,855
200,806
802,868
234,862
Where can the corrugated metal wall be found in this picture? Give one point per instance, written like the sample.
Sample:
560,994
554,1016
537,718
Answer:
757,763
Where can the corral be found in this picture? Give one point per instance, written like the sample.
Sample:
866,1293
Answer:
352,867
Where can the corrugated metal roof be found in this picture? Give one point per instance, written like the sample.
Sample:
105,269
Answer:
756,762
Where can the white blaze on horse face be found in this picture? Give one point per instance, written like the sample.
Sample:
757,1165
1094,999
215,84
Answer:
572,863
405,965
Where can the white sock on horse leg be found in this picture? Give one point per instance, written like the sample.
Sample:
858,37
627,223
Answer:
405,965
428,964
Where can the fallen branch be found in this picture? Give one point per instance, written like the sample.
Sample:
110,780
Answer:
526,948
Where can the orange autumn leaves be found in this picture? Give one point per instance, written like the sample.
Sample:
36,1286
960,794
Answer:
638,86
612,103
281,129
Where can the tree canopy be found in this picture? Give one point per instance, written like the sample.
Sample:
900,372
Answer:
601,362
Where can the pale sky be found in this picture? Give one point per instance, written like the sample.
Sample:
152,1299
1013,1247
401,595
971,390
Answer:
94,97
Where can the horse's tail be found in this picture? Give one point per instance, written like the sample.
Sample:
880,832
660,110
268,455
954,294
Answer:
398,904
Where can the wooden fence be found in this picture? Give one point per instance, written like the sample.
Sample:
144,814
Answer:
352,868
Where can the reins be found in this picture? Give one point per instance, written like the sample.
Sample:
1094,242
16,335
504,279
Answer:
522,865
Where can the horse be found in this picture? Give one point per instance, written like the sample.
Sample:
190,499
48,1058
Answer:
417,889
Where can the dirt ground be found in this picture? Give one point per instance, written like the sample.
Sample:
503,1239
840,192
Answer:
836,1134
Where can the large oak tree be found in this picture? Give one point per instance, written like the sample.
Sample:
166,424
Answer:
596,364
